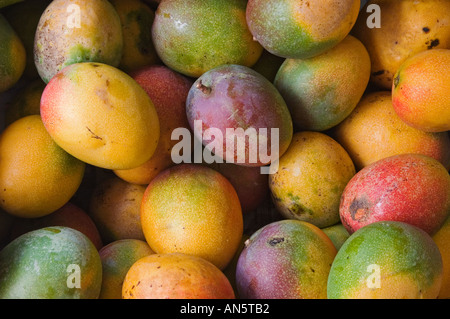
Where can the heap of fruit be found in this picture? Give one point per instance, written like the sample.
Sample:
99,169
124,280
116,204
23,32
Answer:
116,176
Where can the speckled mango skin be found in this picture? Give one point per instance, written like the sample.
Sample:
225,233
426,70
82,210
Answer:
423,25
59,41
175,276
420,92
37,177
237,97
193,36
36,266
115,208
100,115
310,180
409,188
117,257
410,264
168,91
287,259
374,131
138,49
300,29
12,56
322,91
192,209
442,240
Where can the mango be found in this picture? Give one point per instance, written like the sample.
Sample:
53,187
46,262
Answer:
420,91
100,115
410,188
424,25
117,257
192,209
192,37
322,91
441,238
300,29
386,260
239,101
310,180
374,131
288,259
77,31
175,276
37,177
337,233
12,56
50,263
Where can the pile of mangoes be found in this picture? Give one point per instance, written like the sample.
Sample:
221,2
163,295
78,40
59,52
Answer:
224,149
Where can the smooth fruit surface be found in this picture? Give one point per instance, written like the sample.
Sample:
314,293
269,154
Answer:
409,188
386,260
289,259
192,209
175,276
441,238
420,91
100,115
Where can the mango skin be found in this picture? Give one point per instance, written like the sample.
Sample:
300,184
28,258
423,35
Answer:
137,20
310,180
168,91
442,240
374,131
60,42
337,233
322,91
300,29
37,264
175,276
410,188
237,97
117,257
424,25
204,41
37,177
288,259
100,115
410,264
420,91
205,220
12,56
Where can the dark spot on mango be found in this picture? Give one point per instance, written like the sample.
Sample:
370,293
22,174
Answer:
203,88
426,29
433,43
396,80
275,241
360,209
380,72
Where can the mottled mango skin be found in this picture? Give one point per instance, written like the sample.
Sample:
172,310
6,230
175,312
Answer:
322,91
115,208
408,261
37,177
300,29
192,209
374,131
288,259
175,276
117,257
193,36
100,115
38,265
60,41
410,188
137,20
310,180
12,56
237,97
424,25
420,92
168,91
69,215
442,240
